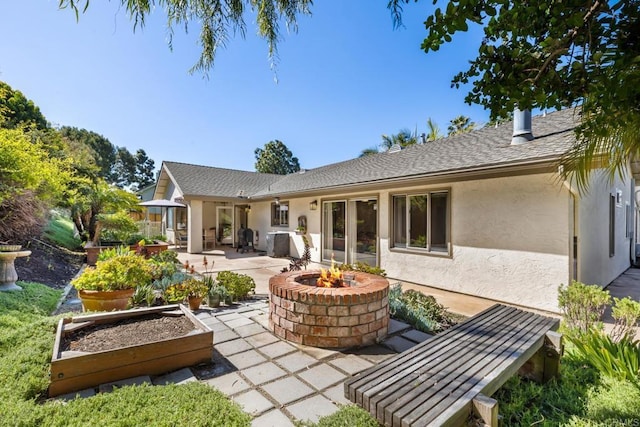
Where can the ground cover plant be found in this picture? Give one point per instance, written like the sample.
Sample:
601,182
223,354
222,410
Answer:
26,343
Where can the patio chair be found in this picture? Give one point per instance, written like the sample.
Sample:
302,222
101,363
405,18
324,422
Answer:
181,239
209,237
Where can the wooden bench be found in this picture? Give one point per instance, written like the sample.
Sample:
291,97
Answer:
442,380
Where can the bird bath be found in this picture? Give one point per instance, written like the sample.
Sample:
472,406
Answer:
8,274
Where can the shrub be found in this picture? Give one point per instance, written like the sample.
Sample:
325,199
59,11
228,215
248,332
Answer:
582,306
626,313
166,256
238,285
116,273
115,251
421,311
365,268
117,226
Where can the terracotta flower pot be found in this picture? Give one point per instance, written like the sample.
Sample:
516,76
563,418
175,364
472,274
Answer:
105,300
194,302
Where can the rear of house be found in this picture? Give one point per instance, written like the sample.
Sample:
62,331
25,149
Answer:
474,213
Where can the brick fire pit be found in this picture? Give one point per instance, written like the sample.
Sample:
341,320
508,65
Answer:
343,317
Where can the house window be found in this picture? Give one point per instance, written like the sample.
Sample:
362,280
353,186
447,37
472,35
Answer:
421,221
280,214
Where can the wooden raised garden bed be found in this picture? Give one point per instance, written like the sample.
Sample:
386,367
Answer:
76,370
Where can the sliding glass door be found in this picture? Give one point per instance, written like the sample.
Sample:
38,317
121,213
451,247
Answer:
350,231
334,231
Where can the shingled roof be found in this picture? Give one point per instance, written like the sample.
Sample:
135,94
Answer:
194,180
486,148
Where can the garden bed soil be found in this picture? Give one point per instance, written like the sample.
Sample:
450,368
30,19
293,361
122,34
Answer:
93,349
140,330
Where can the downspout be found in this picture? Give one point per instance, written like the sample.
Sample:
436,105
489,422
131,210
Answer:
573,193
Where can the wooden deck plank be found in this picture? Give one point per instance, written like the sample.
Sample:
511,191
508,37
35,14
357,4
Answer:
443,383
432,378
361,385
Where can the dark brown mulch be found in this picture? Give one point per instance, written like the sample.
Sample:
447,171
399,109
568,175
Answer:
123,333
49,265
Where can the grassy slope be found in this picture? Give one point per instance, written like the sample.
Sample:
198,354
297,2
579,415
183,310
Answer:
60,230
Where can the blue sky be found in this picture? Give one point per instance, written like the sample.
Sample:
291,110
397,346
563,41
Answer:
344,79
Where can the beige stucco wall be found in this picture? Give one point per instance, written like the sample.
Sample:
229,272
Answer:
260,220
595,265
510,240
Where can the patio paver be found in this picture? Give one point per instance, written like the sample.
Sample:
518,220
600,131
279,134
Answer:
263,373
232,347
287,390
312,408
237,323
273,418
351,364
253,402
224,335
246,359
294,362
262,339
278,348
249,329
229,384
322,376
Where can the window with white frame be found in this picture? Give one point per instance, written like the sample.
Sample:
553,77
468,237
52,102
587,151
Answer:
280,214
421,221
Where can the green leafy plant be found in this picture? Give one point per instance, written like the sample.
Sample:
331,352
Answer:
166,256
619,360
144,294
626,313
238,285
421,311
582,306
191,287
115,251
116,273
365,268
117,226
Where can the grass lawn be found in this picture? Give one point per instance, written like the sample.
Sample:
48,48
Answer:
580,398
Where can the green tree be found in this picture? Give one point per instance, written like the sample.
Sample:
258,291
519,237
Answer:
433,131
30,182
102,150
216,20
16,110
88,200
369,151
276,158
145,167
552,55
460,124
403,138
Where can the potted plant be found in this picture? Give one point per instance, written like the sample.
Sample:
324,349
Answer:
112,282
193,290
217,294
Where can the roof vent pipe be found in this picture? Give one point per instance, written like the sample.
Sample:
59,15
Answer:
521,127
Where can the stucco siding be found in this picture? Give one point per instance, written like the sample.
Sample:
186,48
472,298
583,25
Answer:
595,264
509,242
